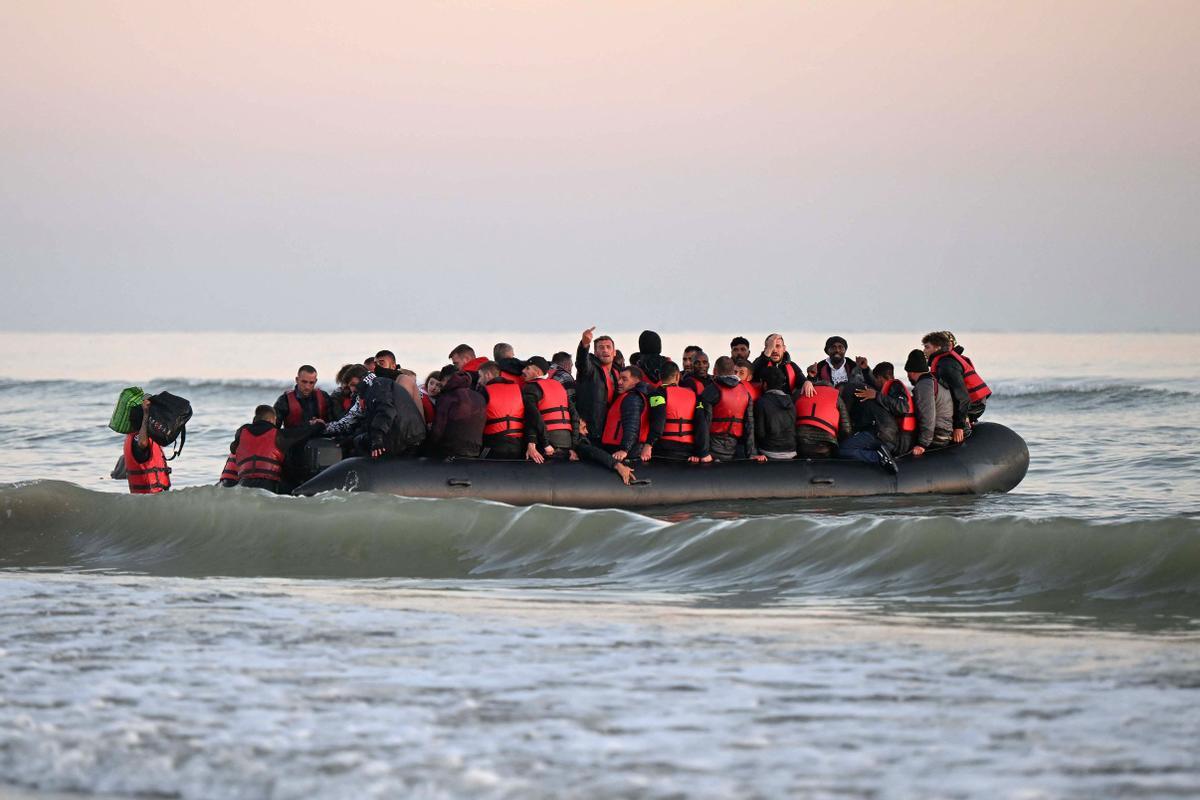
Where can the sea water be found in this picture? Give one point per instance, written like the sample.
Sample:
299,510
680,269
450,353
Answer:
216,643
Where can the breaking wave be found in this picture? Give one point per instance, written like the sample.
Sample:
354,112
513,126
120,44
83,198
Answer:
1059,563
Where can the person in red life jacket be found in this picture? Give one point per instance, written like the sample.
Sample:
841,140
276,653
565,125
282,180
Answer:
731,414
878,441
595,382
457,430
430,390
628,422
512,369
678,422
775,354
739,348
934,406
465,359
551,419
745,373
303,403
258,450
698,379
775,418
488,371
145,465
504,427
341,399
968,390
685,361
899,431
821,421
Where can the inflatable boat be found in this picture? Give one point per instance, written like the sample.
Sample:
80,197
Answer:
993,459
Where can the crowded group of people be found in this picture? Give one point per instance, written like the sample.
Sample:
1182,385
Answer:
594,406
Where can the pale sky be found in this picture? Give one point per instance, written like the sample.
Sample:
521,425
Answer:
506,165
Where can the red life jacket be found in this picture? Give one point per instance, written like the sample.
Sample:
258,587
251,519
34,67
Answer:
474,364
347,401
505,410
230,472
610,383
295,415
681,415
729,414
428,405
613,432
554,408
819,411
150,477
258,457
754,389
907,420
793,374
977,390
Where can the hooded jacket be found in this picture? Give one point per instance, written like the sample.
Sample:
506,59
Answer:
461,415
724,446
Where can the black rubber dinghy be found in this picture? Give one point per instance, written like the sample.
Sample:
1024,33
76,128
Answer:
993,459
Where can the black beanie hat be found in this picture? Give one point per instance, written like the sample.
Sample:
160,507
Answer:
835,339
916,362
650,343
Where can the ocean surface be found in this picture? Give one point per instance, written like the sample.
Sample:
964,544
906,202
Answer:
233,644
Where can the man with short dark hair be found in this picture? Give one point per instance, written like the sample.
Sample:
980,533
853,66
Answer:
678,421
685,363
698,378
957,373
595,381
731,411
258,450
504,428
739,347
303,403
551,420
628,421
463,357
877,437
487,372
369,363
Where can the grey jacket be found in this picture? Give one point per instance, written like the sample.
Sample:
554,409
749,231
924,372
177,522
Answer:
935,411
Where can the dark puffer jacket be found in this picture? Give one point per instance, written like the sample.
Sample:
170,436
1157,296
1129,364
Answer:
461,414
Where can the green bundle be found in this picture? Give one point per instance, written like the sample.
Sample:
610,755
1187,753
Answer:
130,399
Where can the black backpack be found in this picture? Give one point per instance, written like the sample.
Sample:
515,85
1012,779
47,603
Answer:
169,415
